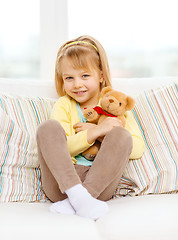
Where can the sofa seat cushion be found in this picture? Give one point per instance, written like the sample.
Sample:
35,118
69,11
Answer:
137,218
150,217
34,221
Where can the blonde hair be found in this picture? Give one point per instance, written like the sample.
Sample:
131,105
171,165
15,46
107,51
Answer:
84,52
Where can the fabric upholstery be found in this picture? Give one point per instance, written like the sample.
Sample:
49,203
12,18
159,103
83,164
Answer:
19,166
156,112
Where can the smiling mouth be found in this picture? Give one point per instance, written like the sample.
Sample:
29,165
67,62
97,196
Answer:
80,92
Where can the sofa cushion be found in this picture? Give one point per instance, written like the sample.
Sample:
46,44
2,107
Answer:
157,171
150,217
34,221
19,166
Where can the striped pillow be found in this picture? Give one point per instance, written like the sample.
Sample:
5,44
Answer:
19,166
156,112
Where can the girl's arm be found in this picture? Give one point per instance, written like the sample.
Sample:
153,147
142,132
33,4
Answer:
63,112
83,126
78,143
138,143
98,131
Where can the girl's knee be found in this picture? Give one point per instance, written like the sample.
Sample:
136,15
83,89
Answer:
49,127
121,136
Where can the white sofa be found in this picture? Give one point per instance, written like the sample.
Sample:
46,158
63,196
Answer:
152,216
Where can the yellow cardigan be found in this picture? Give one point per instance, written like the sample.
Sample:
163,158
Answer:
65,111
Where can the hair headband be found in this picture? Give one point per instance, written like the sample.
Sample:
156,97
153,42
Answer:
75,42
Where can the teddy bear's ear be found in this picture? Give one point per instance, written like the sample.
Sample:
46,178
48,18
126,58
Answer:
130,103
105,90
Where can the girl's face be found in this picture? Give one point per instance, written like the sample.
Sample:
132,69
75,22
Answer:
81,85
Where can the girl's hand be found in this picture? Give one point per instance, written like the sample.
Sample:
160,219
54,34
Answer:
108,124
99,131
82,126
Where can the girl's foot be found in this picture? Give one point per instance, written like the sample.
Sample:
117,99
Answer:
84,204
63,207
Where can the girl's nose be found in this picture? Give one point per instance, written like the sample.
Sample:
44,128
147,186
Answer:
77,83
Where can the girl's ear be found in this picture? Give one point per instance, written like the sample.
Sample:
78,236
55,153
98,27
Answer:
105,90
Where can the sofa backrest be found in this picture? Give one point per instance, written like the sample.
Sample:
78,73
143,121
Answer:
131,86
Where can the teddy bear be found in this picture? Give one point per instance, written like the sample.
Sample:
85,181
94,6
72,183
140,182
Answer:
113,104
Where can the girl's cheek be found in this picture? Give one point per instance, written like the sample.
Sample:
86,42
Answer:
67,86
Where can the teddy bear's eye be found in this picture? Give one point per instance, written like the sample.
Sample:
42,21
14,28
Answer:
120,104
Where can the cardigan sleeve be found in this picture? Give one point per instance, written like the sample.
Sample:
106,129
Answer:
64,113
138,143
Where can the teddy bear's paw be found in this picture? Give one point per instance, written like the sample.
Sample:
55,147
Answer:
90,114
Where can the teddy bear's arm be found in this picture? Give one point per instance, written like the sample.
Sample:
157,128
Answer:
91,115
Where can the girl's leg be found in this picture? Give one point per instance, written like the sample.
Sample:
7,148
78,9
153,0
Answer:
104,175
57,170
49,184
59,175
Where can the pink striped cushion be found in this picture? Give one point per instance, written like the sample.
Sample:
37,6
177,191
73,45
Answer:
156,112
19,166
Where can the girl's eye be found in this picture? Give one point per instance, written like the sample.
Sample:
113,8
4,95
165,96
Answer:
85,76
68,78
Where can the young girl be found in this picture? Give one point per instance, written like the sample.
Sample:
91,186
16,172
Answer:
74,184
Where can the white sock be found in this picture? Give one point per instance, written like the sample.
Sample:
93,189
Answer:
84,204
63,207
